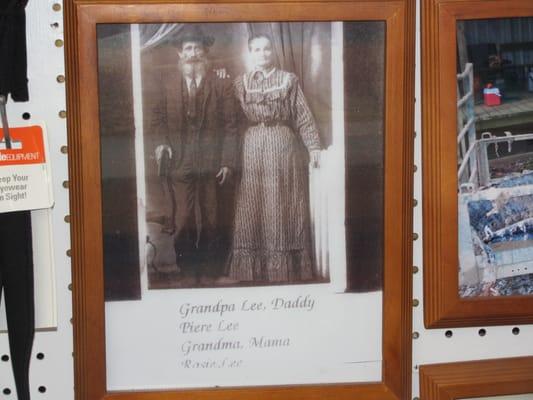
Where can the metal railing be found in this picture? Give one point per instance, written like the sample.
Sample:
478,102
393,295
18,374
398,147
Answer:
473,163
466,126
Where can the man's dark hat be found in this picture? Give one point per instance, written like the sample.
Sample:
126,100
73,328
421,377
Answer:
193,33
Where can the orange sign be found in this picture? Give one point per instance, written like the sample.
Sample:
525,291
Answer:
27,146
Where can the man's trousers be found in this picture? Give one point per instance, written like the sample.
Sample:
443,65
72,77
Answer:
16,280
196,236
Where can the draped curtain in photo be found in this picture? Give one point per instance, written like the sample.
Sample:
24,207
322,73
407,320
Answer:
152,35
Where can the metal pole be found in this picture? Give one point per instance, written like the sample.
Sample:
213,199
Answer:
5,125
483,162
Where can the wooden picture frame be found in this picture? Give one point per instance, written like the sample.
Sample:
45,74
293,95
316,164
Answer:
81,20
463,380
443,305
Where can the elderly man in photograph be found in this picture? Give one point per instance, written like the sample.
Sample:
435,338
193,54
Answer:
196,119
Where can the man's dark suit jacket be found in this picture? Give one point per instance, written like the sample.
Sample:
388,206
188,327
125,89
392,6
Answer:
217,138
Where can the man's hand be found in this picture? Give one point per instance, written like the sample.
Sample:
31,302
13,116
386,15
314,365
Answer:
223,175
314,156
160,152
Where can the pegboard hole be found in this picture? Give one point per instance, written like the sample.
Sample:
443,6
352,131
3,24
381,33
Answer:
42,389
55,25
482,332
6,391
5,358
516,331
40,356
448,334
26,116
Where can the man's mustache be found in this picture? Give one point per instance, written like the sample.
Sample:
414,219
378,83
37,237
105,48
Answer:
194,59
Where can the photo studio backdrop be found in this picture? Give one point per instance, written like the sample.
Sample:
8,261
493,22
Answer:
51,373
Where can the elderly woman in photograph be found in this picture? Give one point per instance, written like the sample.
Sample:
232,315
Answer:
272,235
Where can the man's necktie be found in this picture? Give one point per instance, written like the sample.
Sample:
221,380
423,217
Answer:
192,99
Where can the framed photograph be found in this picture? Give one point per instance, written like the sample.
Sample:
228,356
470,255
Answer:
241,179
502,379
478,187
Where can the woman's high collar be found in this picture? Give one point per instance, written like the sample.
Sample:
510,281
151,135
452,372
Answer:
266,72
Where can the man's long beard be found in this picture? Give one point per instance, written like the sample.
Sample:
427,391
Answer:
194,66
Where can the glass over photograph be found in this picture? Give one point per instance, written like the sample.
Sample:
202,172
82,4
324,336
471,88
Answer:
242,200
495,156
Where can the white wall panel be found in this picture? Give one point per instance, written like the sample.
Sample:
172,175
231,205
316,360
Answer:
433,346
51,374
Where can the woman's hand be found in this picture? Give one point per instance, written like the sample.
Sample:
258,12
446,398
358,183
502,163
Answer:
314,158
221,73
223,175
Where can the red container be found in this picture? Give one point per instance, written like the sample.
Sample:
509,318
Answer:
492,97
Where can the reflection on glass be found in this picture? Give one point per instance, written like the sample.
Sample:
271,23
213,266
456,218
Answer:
495,156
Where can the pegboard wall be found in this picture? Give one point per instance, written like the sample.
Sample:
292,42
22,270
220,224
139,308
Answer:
51,374
457,344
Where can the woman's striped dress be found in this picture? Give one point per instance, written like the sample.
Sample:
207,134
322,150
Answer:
271,240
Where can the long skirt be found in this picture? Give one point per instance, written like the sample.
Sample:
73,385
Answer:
271,239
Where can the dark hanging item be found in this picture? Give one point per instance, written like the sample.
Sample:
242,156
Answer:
3,120
16,281
13,65
16,253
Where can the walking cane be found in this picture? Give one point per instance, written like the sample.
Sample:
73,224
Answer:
164,174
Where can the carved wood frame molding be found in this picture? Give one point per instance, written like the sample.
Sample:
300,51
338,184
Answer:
81,18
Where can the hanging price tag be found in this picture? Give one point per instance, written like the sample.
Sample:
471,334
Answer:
25,176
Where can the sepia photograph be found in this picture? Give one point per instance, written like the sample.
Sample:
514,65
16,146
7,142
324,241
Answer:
495,156
241,154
